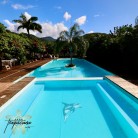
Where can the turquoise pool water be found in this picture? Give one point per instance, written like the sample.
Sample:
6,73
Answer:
57,69
78,105
73,109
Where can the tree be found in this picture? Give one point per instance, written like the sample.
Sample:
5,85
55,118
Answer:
70,36
28,24
83,45
2,28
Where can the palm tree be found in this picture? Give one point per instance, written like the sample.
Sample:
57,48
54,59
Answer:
70,36
28,24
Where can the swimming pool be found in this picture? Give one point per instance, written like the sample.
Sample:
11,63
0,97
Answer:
70,103
57,69
73,109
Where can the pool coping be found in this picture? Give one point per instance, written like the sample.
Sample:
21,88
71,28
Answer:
88,78
124,84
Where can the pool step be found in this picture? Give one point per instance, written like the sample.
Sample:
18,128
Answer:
124,120
126,101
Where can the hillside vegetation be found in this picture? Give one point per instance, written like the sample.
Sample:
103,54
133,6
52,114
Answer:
20,46
116,51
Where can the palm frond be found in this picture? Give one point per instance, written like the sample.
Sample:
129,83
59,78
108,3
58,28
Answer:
35,26
79,33
23,17
67,34
18,21
19,27
74,31
32,19
63,35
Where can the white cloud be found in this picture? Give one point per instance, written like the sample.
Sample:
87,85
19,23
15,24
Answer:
90,32
11,26
96,15
28,16
67,16
5,1
48,28
81,20
22,7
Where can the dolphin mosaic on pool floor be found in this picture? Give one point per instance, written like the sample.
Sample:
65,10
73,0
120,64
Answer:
69,109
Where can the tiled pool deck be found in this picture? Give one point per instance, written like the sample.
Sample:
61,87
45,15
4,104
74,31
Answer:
8,89
128,86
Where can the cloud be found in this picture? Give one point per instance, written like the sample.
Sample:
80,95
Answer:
22,7
11,26
67,16
28,16
96,15
90,32
48,28
58,7
81,20
5,1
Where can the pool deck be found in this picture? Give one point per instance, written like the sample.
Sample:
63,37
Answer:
126,85
7,88
8,76
8,93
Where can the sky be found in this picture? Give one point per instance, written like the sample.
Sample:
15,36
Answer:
58,15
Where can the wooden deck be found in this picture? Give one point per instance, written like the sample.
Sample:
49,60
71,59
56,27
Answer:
7,94
126,85
7,88
18,71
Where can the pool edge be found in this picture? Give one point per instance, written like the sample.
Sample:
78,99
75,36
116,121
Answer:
129,87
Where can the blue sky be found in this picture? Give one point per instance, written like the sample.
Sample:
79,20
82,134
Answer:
58,15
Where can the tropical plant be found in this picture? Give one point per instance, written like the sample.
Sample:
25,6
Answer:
2,28
83,45
29,24
71,36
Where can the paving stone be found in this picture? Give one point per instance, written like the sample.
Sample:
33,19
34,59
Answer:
129,87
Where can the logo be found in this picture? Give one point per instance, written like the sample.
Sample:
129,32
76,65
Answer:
18,122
